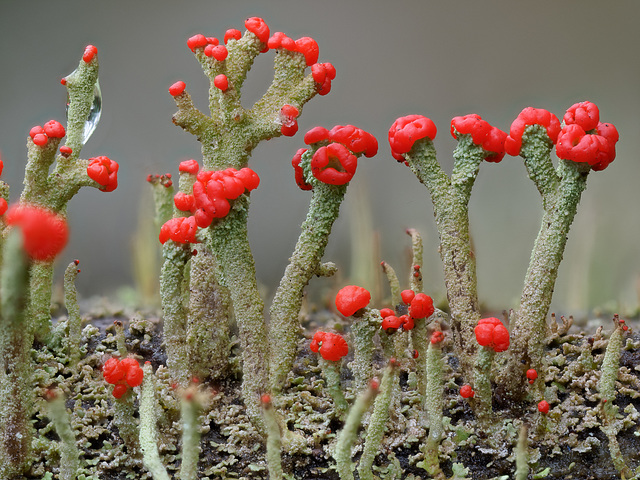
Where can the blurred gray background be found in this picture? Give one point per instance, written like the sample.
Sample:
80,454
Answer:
439,59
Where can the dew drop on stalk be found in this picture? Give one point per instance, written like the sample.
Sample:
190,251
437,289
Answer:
94,114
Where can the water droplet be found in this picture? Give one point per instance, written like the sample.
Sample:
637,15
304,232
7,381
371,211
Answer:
94,114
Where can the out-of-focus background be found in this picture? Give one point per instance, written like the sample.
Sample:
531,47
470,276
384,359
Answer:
439,59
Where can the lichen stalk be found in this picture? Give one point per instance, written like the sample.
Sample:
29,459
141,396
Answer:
74,321
190,416
69,453
274,440
303,264
331,374
363,330
207,331
522,455
377,422
450,199
607,388
229,242
482,384
349,433
530,327
149,438
16,366
417,251
173,309
435,405
125,421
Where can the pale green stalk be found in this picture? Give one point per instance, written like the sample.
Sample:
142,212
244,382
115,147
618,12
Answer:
349,433
16,366
149,437
377,423
69,453
190,435
561,191
450,198
274,442
304,263
74,321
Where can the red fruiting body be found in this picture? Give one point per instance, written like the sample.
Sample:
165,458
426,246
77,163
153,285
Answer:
180,230
322,74
391,323
355,139
576,145
299,174
213,41
532,374
279,40
491,333
89,52
63,81
352,298
177,88
385,312
219,52
122,373
407,322
421,306
54,129
3,206
407,296
415,354
437,337
466,391
40,139
531,116
35,131
112,371
265,399
44,232
288,118
585,114
221,81
197,41
119,390
374,384
315,135
134,376
65,150
184,202
543,407
334,164
405,131
232,33
189,166
104,171
330,345
597,148
213,190
309,48
258,27
482,133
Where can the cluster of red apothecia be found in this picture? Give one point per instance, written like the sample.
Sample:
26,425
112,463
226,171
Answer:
123,374
322,73
420,305
582,138
336,157
101,169
212,193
